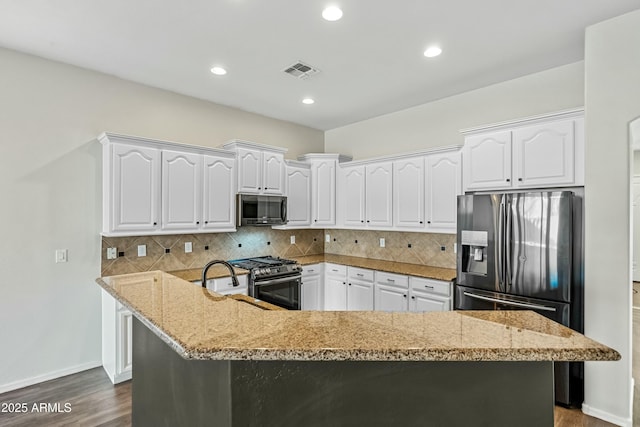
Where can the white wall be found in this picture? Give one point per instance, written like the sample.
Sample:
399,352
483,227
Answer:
438,123
50,175
612,92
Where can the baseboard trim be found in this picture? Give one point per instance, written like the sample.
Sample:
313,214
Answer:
49,376
603,415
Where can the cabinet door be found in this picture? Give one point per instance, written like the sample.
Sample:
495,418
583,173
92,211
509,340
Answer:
249,170
298,196
352,196
181,190
335,293
420,302
408,193
135,188
311,293
379,194
390,298
444,184
323,176
544,154
359,295
273,173
219,193
487,161
124,336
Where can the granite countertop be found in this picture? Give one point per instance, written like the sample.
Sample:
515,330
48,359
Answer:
438,273
200,324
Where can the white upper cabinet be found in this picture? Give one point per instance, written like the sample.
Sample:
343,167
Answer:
219,179
131,188
159,187
298,185
323,187
261,168
538,152
379,194
544,154
352,195
408,193
487,161
181,190
444,184
366,195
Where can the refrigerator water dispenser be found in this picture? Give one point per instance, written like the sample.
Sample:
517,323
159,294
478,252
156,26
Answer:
474,251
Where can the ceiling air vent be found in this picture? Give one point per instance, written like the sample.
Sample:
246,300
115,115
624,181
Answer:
301,70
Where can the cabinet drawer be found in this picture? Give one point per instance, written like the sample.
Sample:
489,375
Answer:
225,283
360,274
437,287
335,269
392,279
311,270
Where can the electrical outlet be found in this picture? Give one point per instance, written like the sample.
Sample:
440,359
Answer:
61,255
455,248
112,253
293,240
188,247
327,238
382,242
142,250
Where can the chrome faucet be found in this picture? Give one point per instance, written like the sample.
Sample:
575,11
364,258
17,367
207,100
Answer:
234,279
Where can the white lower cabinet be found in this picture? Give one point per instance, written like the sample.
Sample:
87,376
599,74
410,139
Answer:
429,295
359,289
392,292
312,289
116,339
335,287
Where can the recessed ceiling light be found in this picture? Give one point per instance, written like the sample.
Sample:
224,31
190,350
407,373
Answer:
432,52
332,13
308,101
218,71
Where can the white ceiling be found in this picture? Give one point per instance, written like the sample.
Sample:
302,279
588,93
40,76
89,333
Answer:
371,61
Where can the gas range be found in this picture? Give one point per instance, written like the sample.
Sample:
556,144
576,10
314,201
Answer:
274,280
267,266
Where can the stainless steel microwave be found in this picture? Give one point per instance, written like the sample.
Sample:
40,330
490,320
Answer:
253,209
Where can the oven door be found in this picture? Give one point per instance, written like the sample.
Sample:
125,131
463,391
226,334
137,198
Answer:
282,291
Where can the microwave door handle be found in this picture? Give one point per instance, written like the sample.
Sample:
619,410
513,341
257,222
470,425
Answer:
283,210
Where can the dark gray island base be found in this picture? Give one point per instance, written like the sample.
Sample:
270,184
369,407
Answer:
169,390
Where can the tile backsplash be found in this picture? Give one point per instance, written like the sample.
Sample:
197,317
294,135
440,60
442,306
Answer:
168,252
412,248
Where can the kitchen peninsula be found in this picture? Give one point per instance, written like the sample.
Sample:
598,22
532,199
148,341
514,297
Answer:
203,358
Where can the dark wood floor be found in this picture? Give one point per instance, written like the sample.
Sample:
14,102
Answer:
94,401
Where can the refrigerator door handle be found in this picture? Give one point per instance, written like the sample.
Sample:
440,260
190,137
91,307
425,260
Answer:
511,303
507,245
500,246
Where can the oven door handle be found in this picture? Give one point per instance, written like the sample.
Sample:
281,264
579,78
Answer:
276,281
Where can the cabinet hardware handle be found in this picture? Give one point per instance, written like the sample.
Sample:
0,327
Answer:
390,280
310,271
206,222
315,220
367,220
333,269
361,220
413,297
508,180
428,287
344,283
349,284
197,222
155,223
428,222
404,295
420,222
259,188
520,179
359,274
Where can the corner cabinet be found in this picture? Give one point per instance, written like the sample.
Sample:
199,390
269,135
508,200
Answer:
537,152
261,168
159,187
323,187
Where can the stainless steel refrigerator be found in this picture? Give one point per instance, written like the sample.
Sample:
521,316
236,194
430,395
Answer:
524,251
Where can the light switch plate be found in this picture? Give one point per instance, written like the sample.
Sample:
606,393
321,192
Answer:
142,250
327,238
188,247
293,240
382,242
112,253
